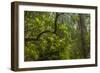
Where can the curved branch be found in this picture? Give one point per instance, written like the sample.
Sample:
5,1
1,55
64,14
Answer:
47,31
39,35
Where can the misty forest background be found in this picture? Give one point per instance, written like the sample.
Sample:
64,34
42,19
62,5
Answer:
56,36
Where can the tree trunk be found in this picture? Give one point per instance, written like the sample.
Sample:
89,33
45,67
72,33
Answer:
82,29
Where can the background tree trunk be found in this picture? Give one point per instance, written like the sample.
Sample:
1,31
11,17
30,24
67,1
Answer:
82,29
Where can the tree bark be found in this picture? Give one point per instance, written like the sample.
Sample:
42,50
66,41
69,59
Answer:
82,29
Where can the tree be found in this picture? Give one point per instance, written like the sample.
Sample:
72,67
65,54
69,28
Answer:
56,36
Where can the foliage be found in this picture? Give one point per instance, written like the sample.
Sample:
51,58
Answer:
56,36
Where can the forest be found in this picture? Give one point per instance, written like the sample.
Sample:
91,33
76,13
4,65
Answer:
56,36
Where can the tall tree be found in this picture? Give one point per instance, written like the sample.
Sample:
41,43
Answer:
82,29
